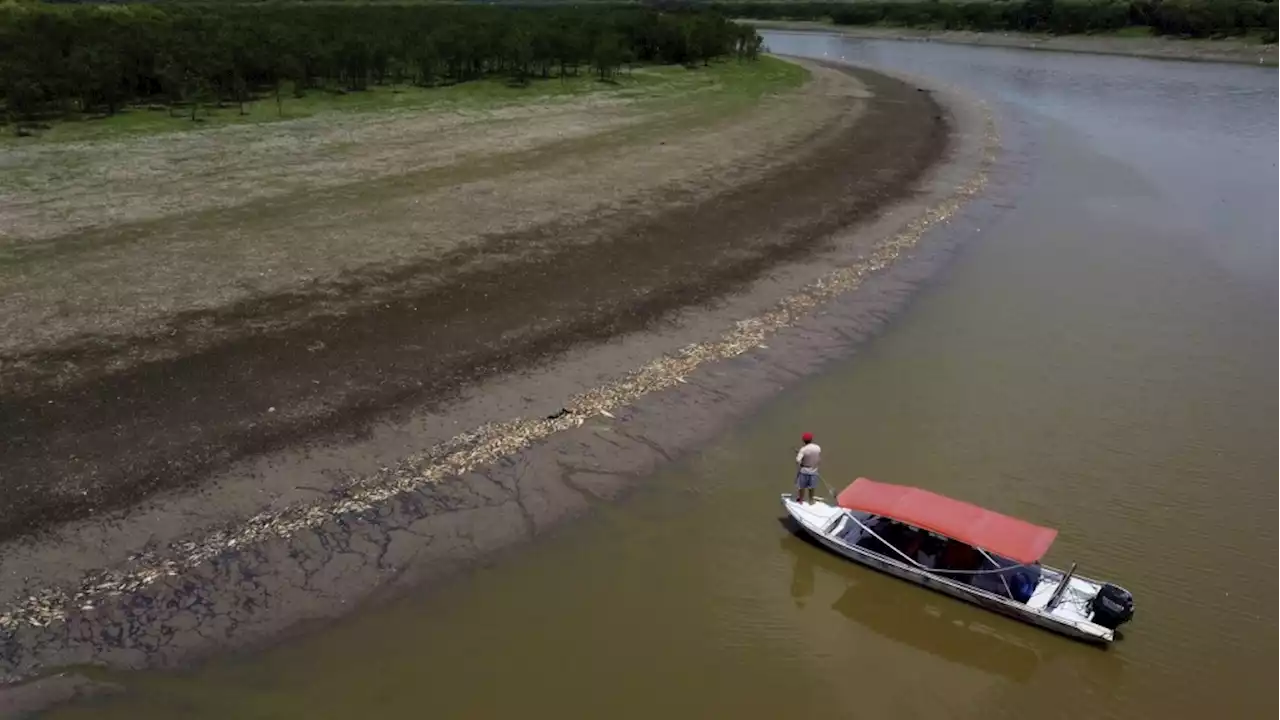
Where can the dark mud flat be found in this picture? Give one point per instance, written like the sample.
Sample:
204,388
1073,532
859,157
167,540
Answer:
114,438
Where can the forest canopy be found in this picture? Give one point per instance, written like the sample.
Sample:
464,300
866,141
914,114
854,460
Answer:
99,58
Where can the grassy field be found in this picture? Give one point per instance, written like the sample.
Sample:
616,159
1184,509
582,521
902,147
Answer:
727,81
159,189
108,235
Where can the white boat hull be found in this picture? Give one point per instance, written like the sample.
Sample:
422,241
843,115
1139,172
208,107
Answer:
1069,617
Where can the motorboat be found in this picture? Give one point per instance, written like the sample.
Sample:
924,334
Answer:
965,551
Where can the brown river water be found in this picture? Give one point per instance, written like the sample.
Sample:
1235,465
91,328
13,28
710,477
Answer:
1100,357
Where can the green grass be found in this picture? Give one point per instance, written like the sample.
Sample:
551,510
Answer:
725,83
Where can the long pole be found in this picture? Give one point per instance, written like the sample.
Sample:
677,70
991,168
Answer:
830,492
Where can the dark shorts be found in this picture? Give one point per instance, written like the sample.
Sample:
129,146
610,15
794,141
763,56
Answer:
806,481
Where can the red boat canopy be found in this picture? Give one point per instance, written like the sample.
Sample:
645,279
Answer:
1000,534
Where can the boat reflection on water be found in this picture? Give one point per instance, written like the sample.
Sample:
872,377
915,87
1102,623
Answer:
940,631
802,576
924,623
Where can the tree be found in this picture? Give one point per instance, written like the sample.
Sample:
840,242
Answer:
426,60
627,57
1266,17
239,92
566,49
518,51
88,57
704,40
543,53
606,55
197,89
354,60
288,69
172,76
22,100
379,62
748,44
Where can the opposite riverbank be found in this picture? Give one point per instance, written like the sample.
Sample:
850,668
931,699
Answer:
1130,45
304,531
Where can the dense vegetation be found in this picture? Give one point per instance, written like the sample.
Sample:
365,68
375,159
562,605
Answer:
1188,18
99,58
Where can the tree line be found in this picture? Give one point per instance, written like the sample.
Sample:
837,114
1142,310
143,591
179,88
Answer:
1185,18
100,58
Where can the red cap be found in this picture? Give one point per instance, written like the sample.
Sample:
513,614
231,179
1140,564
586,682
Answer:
807,437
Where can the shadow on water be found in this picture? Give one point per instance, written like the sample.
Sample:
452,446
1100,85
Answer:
941,633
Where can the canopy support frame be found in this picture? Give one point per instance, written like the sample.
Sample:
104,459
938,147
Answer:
935,571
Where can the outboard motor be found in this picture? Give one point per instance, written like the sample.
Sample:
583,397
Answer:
1112,606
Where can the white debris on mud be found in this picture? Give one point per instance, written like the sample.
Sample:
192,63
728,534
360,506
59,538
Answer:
492,441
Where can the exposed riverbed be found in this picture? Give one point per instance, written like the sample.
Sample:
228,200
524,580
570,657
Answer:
1100,357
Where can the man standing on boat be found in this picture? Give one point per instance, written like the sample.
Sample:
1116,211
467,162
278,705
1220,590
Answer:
807,460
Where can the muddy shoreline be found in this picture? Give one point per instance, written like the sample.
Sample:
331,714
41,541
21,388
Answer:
454,506
378,343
